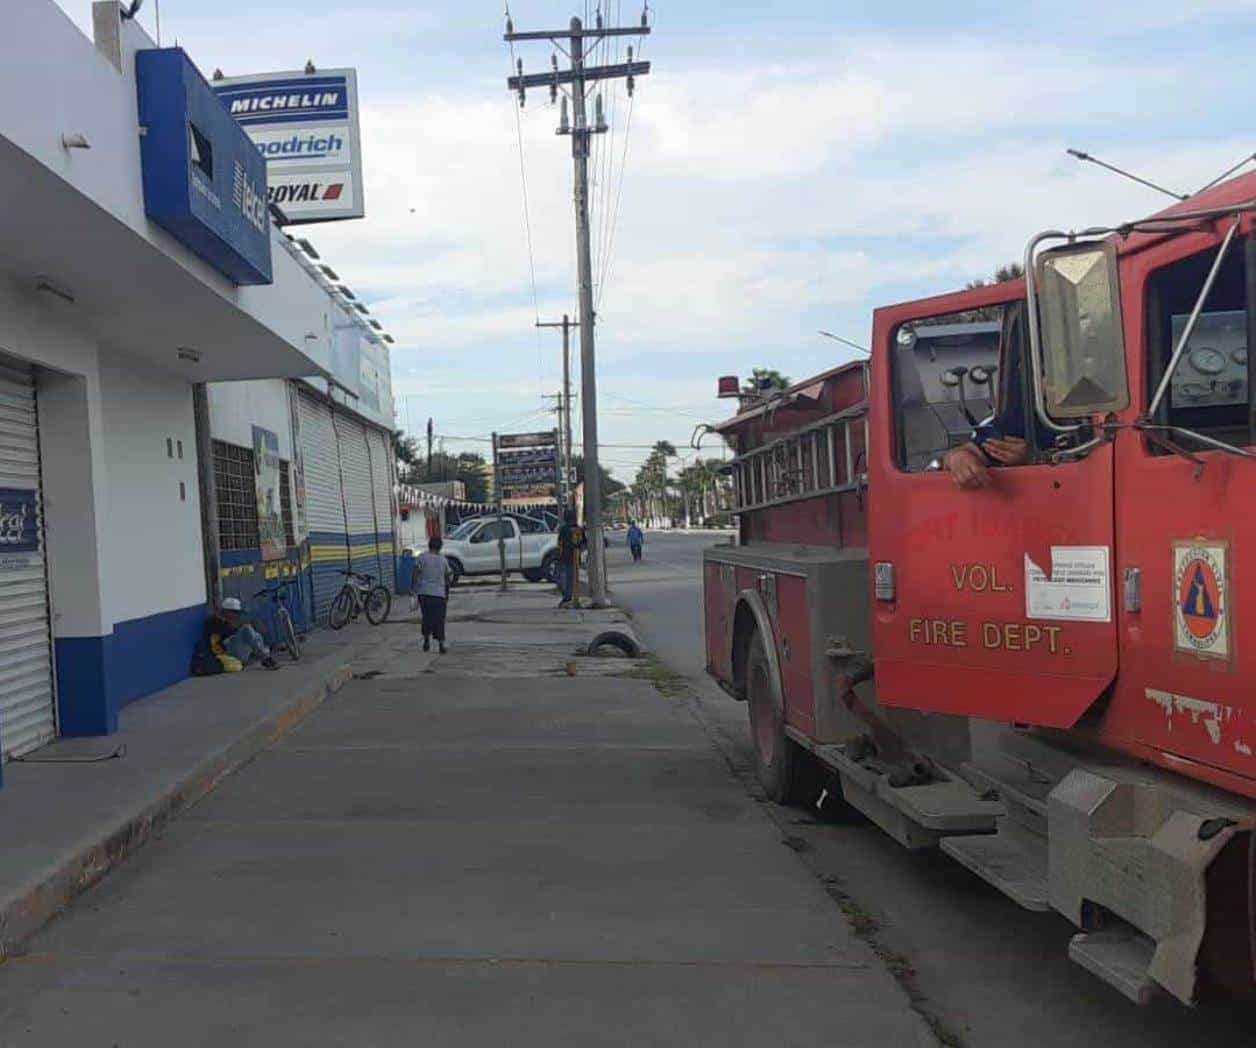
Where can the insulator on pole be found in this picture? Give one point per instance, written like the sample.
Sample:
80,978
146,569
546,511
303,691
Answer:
523,95
510,24
599,113
554,85
564,124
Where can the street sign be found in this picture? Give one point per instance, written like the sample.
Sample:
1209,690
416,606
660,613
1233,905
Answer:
526,440
526,466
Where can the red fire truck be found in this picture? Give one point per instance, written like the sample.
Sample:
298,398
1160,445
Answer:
1044,676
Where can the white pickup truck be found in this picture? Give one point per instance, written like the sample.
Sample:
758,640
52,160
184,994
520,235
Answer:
531,547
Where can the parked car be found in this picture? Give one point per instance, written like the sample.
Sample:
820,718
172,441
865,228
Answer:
531,547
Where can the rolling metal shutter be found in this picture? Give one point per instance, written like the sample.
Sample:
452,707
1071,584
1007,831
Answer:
27,701
380,446
356,465
323,508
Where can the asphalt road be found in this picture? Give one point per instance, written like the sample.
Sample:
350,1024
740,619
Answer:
997,975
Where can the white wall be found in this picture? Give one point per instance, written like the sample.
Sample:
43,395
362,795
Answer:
236,407
154,560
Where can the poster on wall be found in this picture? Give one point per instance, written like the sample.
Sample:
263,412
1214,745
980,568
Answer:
19,527
269,507
296,471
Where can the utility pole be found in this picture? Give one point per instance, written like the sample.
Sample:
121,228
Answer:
429,449
578,76
564,401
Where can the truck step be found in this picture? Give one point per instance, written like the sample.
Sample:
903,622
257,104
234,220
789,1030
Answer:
1013,860
950,806
916,816
1120,957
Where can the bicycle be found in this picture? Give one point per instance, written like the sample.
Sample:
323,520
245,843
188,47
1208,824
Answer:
285,630
359,594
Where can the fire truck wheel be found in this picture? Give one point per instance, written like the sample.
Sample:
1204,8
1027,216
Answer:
787,772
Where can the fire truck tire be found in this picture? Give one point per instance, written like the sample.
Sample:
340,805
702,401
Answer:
786,771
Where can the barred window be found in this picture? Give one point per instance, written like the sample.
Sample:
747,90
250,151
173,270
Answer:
237,497
285,504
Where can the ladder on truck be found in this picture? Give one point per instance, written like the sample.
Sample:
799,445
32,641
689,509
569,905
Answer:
827,457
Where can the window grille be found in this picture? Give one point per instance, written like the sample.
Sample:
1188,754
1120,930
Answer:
237,497
285,505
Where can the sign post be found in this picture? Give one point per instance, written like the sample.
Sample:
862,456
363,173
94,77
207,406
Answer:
497,497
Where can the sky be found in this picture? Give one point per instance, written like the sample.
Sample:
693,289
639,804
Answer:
785,168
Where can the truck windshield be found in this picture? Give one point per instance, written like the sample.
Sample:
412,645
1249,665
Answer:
1209,391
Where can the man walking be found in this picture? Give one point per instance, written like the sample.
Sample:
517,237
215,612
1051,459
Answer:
431,585
636,539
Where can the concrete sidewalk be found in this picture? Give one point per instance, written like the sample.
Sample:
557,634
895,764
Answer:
72,810
509,844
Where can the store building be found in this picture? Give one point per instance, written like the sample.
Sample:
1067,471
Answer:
137,267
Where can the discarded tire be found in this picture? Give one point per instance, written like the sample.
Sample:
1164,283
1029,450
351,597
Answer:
615,639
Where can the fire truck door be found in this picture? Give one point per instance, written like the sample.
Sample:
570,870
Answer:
1187,551
994,603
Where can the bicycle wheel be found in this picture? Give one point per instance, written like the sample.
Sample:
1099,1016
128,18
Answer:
341,609
288,634
378,605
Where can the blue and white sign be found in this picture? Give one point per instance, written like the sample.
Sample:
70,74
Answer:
204,180
306,126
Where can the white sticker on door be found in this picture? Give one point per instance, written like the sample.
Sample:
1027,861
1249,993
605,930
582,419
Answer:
1079,588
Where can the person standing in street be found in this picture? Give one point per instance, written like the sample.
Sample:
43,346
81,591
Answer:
570,542
431,585
636,540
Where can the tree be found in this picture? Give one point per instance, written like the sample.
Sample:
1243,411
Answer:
467,466
609,484
405,449
765,381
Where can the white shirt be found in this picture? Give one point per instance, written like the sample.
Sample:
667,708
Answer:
431,572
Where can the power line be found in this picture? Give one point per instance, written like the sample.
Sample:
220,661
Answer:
527,219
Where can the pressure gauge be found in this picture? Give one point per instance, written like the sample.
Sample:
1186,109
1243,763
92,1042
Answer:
1239,356
1207,360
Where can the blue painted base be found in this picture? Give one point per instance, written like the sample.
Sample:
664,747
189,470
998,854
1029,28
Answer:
98,676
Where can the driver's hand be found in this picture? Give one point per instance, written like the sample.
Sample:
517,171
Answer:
1009,451
967,468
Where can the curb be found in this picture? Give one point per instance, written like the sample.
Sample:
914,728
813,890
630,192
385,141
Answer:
35,904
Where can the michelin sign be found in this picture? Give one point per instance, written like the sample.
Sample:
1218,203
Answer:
306,126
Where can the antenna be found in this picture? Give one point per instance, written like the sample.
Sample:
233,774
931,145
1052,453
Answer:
845,342
1125,174
1222,177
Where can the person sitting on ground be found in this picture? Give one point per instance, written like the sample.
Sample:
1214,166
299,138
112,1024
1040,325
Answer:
432,575
226,633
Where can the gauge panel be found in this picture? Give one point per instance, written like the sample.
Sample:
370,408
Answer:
1213,369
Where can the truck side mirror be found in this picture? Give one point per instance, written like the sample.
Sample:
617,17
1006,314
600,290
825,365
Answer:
1083,347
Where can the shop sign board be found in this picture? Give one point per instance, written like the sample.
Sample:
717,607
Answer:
306,126
204,180
527,466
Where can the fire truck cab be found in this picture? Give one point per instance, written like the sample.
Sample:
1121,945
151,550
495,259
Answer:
1044,676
